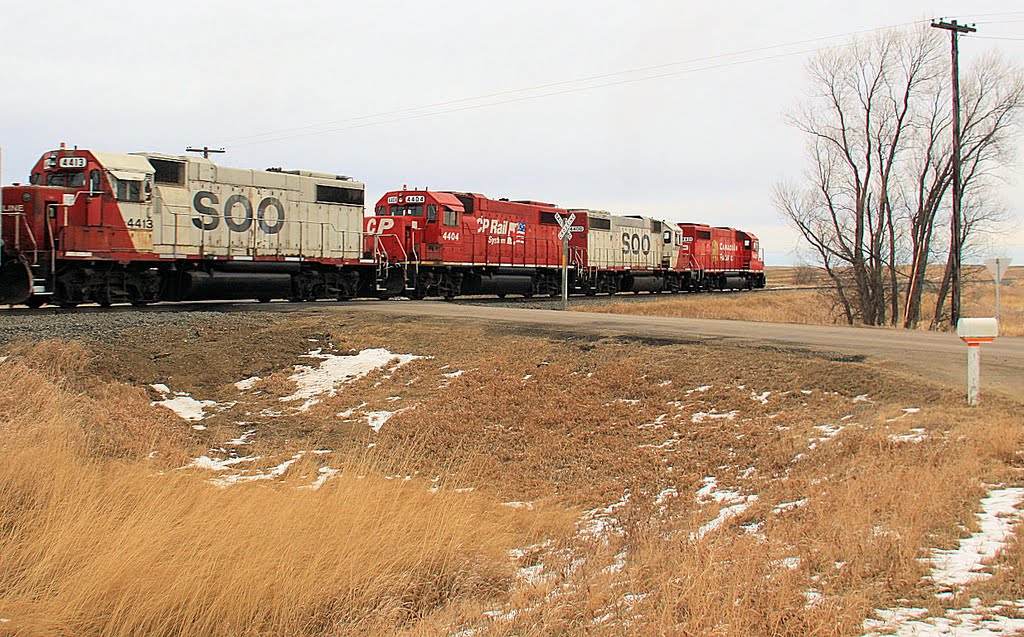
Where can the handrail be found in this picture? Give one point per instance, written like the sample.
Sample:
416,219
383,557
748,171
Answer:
17,230
378,244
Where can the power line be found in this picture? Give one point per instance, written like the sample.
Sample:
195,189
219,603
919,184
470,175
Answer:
282,134
525,98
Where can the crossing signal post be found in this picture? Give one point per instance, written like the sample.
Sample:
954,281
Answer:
565,234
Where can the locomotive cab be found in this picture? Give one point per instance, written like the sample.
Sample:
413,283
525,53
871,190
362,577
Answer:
413,226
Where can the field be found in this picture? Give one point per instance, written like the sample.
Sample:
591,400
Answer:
802,302
308,473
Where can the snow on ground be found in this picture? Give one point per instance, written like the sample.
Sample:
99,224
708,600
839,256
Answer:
326,473
217,464
956,568
598,522
247,383
244,439
917,434
789,506
702,416
734,503
377,419
334,370
186,407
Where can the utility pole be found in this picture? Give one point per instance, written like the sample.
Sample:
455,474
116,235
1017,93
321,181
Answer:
205,150
955,29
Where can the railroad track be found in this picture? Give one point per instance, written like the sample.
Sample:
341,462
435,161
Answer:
278,306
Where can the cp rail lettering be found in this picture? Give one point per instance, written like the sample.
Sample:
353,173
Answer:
237,212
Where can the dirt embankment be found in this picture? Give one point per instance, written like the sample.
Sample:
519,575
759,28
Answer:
320,472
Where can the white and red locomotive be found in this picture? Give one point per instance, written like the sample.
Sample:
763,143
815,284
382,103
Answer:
110,227
145,227
449,243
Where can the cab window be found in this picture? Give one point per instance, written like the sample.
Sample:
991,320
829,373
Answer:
382,211
129,190
451,218
94,181
668,236
432,212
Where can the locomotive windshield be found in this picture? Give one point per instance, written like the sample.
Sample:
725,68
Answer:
67,180
406,211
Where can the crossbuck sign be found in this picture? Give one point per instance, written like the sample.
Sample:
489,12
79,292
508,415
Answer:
567,229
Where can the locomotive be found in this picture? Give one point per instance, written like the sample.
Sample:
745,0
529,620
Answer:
434,243
109,227
144,227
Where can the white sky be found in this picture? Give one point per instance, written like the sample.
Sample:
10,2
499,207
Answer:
699,145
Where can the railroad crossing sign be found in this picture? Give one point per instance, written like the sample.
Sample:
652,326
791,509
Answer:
567,227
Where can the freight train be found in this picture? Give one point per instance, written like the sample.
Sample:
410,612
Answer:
98,227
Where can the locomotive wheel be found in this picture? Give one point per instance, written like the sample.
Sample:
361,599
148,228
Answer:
502,295
104,303
139,302
67,304
264,299
35,302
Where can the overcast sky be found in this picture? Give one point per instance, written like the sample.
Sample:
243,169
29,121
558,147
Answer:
335,87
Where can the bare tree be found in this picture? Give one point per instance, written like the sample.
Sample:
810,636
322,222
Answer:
877,121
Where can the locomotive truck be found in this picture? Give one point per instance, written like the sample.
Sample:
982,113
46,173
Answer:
143,227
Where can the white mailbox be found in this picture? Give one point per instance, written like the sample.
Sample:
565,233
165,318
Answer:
977,328
974,332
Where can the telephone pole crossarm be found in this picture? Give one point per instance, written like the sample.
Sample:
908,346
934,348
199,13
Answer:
205,150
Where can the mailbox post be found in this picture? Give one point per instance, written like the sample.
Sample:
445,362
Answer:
974,332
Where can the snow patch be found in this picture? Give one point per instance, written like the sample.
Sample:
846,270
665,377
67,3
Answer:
958,567
186,407
247,383
702,416
954,569
334,370
916,434
377,419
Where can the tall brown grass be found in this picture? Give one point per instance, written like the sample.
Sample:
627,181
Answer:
94,542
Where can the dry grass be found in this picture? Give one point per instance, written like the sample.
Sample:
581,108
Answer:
807,307
94,541
815,307
90,544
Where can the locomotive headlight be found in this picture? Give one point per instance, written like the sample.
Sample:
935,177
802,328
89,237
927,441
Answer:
26,197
